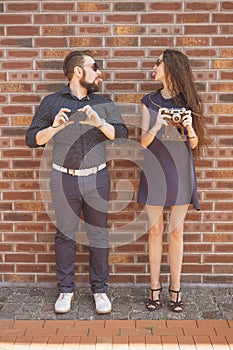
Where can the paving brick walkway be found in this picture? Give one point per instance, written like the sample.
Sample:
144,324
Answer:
27,321
116,335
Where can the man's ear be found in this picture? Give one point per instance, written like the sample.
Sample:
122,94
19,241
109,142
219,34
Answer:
78,71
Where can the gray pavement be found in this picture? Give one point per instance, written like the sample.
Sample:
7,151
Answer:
36,303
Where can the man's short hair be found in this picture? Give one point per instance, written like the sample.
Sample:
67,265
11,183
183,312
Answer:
73,59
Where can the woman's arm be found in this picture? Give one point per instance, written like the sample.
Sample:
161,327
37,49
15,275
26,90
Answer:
147,134
192,136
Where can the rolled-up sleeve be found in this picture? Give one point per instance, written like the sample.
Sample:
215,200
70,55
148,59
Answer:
121,131
114,118
41,120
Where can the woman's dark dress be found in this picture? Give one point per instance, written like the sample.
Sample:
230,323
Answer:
168,177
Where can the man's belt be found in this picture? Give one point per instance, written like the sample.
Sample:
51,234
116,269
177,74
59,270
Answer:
80,172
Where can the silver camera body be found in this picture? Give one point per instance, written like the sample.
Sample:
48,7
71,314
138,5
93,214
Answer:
174,131
175,114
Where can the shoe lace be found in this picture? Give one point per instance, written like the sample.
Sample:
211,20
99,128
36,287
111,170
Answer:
101,296
64,296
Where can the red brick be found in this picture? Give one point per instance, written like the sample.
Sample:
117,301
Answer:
50,18
120,86
9,42
35,226
58,30
119,342
217,279
221,41
193,41
8,341
19,257
227,5
219,342
57,7
19,278
87,343
50,42
223,269
203,342
201,6
200,29
157,18
23,30
202,52
186,343
226,29
165,6
170,342
18,196
222,18
121,18
129,53
15,19
157,41
71,343
86,42
93,6
122,41
17,109
170,331
23,7
193,18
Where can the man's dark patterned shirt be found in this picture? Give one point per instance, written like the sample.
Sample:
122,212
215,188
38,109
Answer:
77,145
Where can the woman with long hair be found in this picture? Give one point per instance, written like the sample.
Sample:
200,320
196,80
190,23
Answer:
172,130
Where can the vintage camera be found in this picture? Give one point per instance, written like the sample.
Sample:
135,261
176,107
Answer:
174,131
174,115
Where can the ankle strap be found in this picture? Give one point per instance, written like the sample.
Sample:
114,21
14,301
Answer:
177,293
174,291
156,290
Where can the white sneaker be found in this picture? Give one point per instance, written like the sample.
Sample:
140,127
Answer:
63,303
102,303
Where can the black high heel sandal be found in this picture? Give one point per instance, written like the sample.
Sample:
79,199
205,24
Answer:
176,304
152,304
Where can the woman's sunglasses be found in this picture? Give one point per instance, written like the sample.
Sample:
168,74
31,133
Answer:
158,61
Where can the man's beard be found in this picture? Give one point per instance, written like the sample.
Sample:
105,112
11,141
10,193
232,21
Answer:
90,87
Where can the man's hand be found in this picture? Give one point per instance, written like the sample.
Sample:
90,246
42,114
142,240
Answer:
92,119
61,120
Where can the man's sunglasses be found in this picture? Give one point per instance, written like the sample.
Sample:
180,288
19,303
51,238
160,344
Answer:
158,61
93,66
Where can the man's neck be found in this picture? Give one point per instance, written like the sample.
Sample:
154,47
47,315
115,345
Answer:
78,91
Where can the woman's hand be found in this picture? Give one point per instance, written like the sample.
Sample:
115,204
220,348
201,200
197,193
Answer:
160,121
187,120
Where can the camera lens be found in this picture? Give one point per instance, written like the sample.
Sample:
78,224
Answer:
176,117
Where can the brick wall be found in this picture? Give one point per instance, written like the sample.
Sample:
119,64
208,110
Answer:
125,37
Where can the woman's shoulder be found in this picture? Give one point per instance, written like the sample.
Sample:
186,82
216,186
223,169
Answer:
151,97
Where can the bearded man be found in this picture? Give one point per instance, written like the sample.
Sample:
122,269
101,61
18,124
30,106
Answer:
79,121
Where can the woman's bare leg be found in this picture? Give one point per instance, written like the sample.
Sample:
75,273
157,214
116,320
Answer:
176,228
155,242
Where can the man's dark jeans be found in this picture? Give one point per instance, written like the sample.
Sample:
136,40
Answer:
72,195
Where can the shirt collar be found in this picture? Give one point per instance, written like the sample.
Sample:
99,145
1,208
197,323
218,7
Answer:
67,91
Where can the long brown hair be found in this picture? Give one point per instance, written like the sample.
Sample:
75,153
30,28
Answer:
180,82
